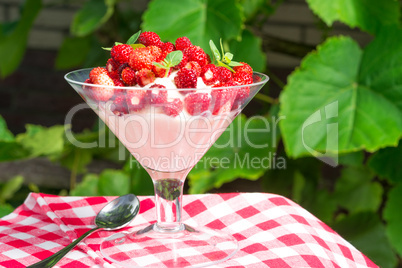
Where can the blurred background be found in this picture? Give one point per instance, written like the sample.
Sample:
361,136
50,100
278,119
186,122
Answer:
315,53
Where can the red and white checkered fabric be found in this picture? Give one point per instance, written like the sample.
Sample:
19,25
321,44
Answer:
272,231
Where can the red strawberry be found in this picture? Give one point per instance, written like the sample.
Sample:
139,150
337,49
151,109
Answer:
173,107
225,75
241,96
141,58
222,100
185,78
118,83
243,68
182,43
136,99
119,106
128,76
121,53
99,76
149,39
243,78
193,65
157,96
196,53
144,77
158,71
209,74
111,65
197,103
156,52
166,48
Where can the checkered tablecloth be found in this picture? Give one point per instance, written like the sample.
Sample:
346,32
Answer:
272,231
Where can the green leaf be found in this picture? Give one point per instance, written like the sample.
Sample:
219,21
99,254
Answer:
386,163
245,150
91,16
13,43
368,15
241,49
5,209
393,216
366,232
10,151
352,159
113,183
174,58
5,134
87,187
338,102
8,190
73,52
133,38
215,50
356,191
75,158
42,141
252,7
199,20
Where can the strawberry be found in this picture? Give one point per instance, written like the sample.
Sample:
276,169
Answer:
182,43
136,99
166,48
141,58
149,39
182,63
243,78
173,107
99,76
159,71
243,68
196,53
118,83
197,103
111,65
121,53
157,96
222,99
241,96
144,77
156,52
119,106
128,76
224,74
193,65
209,74
185,78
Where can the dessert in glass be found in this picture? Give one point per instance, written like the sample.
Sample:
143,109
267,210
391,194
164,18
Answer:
167,103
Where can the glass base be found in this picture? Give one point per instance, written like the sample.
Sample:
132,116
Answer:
149,246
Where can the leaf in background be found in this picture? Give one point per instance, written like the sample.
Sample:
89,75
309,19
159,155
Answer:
5,134
199,20
13,44
241,49
40,141
393,217
75,158
141,183
366,232
113,183
387,163
368,15
87,187
5,209
334,103
245,150
10,188
356,191
352,159
91,16
252,7
73,52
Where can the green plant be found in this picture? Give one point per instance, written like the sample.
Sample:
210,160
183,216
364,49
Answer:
338,83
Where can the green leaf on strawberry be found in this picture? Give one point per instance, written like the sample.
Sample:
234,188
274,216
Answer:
133,38
172,59
226,59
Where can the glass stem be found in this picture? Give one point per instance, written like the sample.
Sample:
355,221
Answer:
168,187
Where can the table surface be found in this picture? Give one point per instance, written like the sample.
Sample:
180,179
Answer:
272,231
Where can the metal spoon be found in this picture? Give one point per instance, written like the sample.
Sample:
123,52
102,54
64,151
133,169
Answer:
117,214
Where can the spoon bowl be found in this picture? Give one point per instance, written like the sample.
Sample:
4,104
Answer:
116,214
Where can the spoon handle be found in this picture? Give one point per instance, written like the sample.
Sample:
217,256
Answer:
53,259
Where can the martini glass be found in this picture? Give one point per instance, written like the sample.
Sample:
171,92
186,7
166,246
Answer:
168,145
